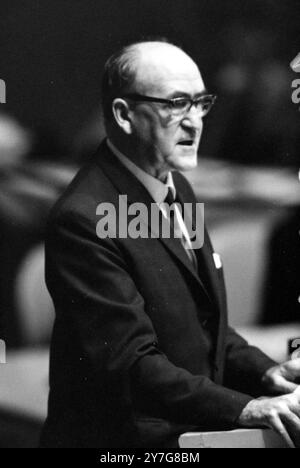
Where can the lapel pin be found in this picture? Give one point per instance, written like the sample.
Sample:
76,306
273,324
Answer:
217,260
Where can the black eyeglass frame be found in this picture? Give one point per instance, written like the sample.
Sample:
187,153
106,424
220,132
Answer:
172,102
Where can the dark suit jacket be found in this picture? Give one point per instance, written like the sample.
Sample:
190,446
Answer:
141,350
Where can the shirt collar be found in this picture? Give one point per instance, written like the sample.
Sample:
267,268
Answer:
157,189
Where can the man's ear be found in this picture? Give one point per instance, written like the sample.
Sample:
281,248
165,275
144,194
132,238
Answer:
121,113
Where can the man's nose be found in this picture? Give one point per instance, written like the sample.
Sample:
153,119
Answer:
193,119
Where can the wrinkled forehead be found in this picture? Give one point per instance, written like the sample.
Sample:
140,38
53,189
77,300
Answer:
165,70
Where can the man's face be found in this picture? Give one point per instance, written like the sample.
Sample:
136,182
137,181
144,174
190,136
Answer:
165,141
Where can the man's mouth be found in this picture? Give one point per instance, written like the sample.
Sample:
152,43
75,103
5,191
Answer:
186,142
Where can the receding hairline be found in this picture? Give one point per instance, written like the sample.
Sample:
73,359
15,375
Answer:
143,53
139,50
151,45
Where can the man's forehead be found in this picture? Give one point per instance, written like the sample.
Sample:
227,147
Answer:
166,67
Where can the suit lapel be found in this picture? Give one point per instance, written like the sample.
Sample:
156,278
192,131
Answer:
127,184
206,266
214,282
213,275
217,283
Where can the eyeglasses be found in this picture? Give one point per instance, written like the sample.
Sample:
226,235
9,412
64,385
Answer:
179,107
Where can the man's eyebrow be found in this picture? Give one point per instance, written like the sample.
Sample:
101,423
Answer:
183,94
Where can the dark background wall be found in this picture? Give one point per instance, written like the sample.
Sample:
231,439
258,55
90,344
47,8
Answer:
52,52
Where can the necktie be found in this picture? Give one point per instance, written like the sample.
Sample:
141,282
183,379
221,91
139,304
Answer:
178,225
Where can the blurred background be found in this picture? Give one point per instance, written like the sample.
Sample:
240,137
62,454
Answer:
51,59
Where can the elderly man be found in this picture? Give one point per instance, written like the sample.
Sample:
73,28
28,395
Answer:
141,349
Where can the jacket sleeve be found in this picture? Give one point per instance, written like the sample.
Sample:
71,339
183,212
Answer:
91,285
245,365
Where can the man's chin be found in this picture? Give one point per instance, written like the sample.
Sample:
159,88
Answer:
187,163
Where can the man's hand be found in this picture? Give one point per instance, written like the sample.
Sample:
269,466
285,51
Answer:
283,379
281,414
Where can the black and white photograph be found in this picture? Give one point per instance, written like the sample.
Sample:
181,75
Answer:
149,226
